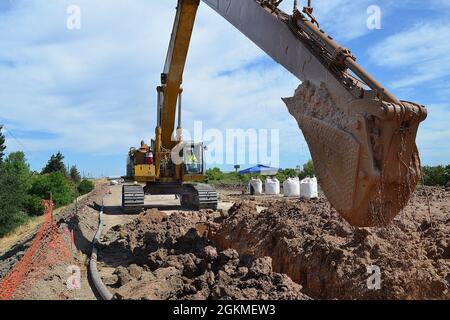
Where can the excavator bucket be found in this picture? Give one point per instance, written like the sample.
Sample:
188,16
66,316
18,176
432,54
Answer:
365,155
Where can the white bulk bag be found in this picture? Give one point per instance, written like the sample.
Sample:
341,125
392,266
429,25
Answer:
308,188
272,186
257,186
291,187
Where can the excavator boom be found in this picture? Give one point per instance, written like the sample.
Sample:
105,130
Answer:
361,137
172,76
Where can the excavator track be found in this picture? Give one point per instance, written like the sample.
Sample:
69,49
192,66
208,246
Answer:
132,198
199,196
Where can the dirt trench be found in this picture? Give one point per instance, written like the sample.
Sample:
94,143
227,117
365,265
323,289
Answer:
160,256
312,244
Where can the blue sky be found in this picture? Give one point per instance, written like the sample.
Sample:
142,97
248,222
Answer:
90,93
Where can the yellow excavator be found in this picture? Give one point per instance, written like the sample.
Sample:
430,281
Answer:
170,165
361,137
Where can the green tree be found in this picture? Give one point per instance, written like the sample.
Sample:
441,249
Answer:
435,176
18,167
308,170
85,187
284,174
74,175
35,206
236,178
55,183
2,144
14,187
214,174
447,175
55,164
11,215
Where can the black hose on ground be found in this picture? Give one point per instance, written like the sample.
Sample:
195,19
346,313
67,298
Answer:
95,276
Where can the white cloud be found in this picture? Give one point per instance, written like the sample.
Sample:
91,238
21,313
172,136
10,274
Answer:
95,89
423,50
343,19
433,137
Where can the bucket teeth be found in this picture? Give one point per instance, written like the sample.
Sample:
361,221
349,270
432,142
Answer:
364,153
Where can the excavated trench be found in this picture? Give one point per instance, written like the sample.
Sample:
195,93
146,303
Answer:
157,256
295,249
314,246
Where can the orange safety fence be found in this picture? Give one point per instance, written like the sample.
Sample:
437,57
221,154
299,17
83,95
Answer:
48,248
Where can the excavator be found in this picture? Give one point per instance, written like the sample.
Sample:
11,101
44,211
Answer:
361,137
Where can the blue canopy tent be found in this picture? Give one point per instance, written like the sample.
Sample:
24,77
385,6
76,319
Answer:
260,169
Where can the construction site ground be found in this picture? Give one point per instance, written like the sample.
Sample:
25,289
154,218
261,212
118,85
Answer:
252,247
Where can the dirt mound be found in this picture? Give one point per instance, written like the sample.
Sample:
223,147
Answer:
331,260
166,257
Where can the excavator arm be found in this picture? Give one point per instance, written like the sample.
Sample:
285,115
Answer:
361,137
172,77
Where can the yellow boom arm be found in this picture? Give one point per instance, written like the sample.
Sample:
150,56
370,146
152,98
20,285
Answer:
172,77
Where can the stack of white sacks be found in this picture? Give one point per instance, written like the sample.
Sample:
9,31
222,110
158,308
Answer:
255,186
307,188
292,187
272,186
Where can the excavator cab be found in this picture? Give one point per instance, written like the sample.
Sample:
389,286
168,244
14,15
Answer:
193,164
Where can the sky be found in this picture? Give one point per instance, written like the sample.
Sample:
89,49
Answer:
91,92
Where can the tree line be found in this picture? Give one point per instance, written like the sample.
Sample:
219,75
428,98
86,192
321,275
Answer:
216,175
431,175
22,190
436,176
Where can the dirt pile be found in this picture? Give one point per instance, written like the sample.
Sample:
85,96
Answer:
158,256
319,250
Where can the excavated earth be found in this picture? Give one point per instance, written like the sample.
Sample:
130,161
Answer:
311,243
243,254
293,249
160,256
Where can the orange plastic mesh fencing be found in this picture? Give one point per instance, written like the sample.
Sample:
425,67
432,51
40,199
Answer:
48,248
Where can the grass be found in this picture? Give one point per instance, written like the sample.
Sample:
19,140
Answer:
32,225
22,232
29,228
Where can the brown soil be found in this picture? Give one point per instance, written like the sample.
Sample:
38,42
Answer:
243,254
319,250
347,144
51,283
158,256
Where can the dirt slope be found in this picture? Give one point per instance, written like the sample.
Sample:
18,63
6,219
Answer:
329,258
49,281
166,257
